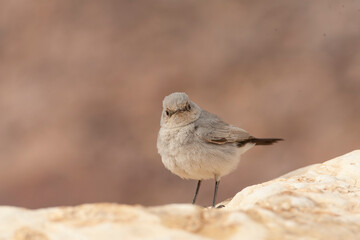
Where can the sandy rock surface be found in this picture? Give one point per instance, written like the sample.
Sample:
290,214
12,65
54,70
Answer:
321,201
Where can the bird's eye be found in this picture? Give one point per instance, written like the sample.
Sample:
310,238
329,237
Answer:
167,113
188,107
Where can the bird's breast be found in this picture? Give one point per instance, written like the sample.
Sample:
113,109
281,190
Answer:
174,139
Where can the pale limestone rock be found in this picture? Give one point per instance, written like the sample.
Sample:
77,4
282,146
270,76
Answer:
318,201
321,201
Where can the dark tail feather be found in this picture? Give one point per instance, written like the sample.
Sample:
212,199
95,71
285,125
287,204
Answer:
259,141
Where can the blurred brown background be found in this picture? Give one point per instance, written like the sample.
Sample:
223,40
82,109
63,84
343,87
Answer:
82,83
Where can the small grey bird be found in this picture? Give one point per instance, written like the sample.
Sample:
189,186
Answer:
196,144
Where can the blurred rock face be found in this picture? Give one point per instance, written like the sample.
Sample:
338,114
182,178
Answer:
81,86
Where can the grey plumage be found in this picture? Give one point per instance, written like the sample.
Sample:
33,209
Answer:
196,144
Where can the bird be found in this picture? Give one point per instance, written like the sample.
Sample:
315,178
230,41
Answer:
196,144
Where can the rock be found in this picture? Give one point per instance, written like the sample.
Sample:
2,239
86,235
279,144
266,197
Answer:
321,201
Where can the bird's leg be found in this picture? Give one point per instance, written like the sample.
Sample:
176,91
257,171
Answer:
215,191
196,191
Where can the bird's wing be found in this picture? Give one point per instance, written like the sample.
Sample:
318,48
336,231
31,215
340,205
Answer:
213,130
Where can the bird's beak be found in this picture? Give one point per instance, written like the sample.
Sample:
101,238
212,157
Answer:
172,113
176,111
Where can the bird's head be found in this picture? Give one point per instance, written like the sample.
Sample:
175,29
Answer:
178,110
